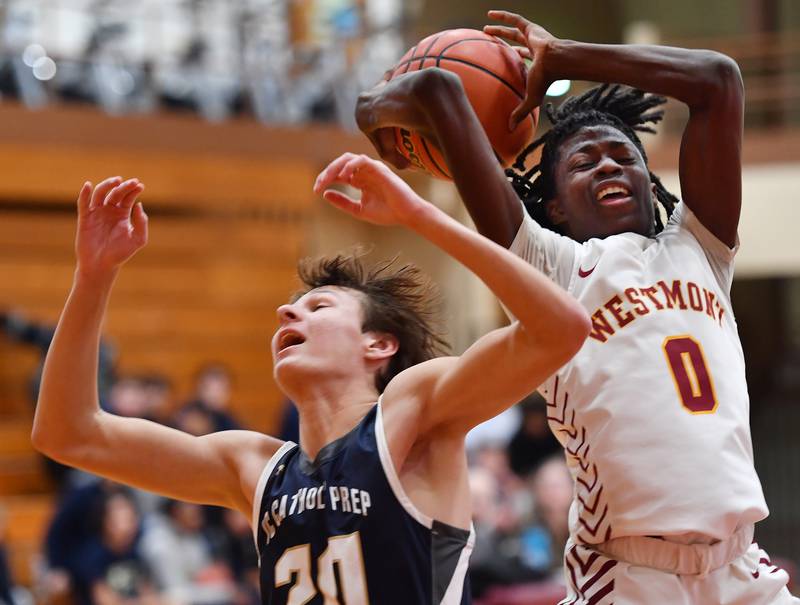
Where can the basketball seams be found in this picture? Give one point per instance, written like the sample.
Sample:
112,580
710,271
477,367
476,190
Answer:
433,159
439,59
500,67
425,55
407,63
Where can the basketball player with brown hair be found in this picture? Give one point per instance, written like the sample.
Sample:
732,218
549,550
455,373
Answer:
373,505
653,411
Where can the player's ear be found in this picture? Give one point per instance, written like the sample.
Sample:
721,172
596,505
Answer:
555,212
380,346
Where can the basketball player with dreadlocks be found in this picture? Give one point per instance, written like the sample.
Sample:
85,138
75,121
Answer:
653,410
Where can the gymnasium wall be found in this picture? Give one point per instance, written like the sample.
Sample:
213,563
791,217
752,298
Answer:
229,210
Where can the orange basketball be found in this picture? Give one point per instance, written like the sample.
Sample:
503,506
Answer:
493,75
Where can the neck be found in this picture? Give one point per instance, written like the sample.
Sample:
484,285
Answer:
330,408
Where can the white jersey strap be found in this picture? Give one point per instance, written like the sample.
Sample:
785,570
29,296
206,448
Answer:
262,484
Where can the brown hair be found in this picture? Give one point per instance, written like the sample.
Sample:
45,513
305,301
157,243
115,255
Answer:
400,302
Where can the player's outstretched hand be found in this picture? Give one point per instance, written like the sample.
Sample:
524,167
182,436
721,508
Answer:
533,42
385,198
112,225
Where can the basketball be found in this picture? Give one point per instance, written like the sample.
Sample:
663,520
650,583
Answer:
493,75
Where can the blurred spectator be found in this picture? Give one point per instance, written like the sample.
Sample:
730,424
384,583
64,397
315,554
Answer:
178,549
70,530
495,432
70,527
533,441
544,541
195,420
501,506
158,393
236,546
109,569
17,327
127,397
212,397
6,584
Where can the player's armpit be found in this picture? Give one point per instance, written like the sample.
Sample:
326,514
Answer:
221,469
500,369
455,394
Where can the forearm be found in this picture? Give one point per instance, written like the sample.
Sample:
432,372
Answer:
690,76
68,396
432,102
481,182
546,311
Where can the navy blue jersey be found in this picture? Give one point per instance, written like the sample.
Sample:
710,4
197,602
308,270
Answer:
341,530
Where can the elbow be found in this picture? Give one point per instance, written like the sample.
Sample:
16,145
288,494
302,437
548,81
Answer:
562,338
46,441
435,85
721,79
574,330
568,333
40,441
61,442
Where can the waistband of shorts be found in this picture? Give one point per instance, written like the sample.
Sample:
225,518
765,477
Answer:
681,559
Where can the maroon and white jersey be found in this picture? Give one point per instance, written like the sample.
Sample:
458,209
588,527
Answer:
653,411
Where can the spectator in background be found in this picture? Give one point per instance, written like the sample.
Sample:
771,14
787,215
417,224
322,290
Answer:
502,503
127,397
212,395
237,547
178,549
533,442
39,335
6,584
158,394
494,433
69,531
195,420
543,542
110,569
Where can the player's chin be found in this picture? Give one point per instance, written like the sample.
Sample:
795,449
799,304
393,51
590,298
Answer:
283,367
633,221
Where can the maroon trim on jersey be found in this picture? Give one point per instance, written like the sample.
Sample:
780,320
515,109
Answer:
591,509
765,561
592,518
583,591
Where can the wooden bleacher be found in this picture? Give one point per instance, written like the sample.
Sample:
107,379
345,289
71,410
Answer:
229,207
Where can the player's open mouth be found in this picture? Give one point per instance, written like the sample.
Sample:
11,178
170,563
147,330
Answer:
289,339
612,195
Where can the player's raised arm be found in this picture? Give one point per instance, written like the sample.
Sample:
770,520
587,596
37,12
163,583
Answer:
69,425
512,361
709,83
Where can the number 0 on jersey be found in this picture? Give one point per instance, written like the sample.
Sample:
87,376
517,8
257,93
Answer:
690,374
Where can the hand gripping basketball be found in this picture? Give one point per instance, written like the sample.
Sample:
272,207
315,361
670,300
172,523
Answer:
493,76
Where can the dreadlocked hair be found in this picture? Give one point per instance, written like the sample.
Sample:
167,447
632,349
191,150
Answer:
626,109
398,301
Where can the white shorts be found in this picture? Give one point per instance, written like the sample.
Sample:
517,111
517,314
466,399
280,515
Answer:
746,577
